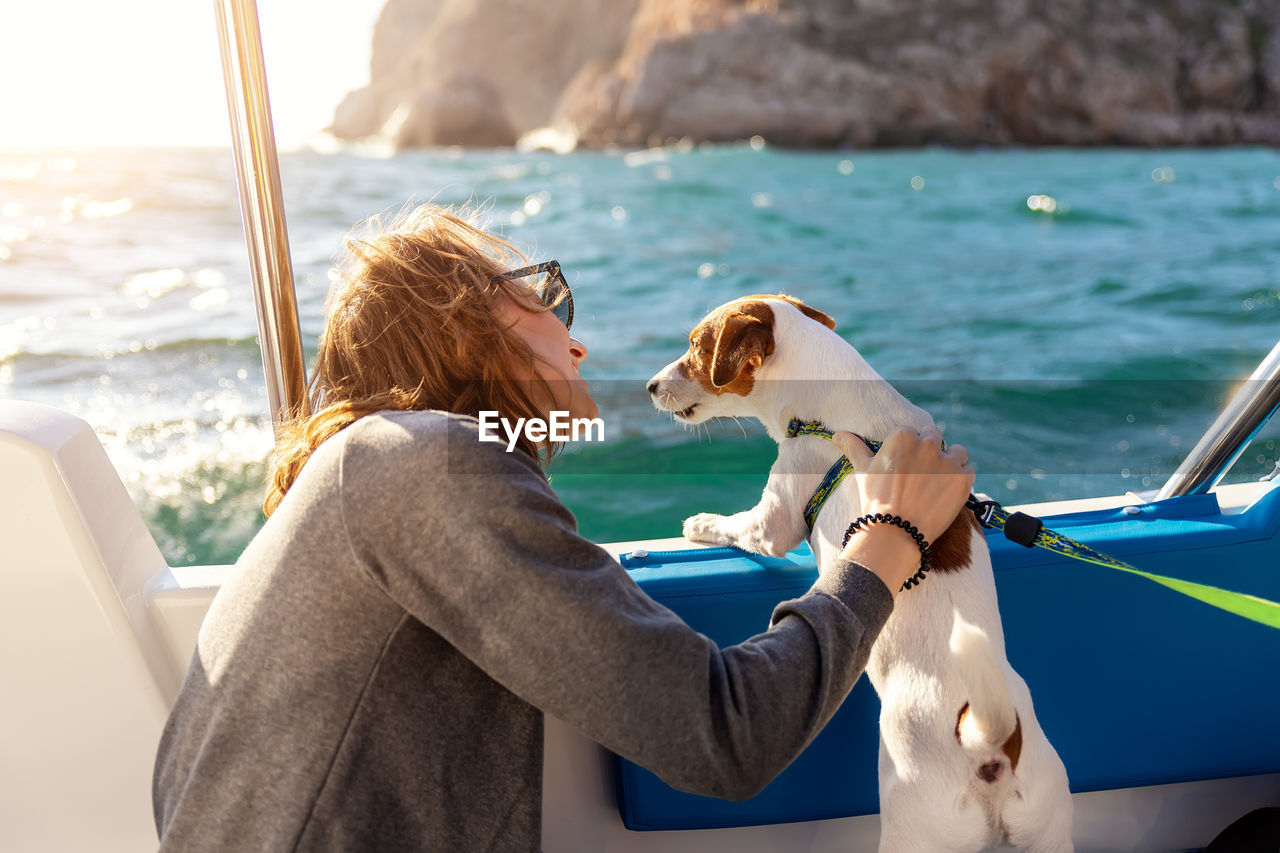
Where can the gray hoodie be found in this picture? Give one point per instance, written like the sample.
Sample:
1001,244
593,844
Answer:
373,675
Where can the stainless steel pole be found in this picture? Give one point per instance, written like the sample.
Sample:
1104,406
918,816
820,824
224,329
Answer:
262,207
1253,404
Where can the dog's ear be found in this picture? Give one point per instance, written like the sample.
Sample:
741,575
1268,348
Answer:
743,339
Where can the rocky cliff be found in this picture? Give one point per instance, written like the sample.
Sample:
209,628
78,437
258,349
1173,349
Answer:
820,73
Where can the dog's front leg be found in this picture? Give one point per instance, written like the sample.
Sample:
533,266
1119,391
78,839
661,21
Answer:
773,526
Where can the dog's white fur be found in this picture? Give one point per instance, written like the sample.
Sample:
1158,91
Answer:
942,647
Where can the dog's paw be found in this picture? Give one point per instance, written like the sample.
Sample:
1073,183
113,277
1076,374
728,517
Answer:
706,527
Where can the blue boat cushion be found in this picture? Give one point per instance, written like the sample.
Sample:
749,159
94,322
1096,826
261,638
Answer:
729,595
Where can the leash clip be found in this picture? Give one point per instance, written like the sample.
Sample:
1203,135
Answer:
984,510
1017,527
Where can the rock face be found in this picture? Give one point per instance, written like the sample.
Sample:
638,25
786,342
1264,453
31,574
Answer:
820,73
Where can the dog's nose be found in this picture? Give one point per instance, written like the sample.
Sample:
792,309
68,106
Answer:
652,387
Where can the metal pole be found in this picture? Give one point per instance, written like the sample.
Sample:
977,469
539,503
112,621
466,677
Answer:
1249,410
262,207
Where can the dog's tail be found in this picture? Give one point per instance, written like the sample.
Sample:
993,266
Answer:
989,719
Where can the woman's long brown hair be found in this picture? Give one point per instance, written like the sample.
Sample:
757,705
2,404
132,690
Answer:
412,323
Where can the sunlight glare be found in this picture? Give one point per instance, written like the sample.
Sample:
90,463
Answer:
148,72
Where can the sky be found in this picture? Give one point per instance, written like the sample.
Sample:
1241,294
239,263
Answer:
148,72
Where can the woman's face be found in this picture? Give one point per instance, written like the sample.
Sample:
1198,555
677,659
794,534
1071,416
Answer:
557,355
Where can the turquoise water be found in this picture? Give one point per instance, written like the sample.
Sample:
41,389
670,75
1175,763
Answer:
1076,318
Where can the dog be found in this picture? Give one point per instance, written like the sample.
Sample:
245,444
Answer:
963,762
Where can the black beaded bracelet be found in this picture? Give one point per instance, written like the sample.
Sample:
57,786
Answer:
885,518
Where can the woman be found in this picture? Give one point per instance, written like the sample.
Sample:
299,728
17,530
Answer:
374,674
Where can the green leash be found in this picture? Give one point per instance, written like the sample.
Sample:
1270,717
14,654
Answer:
1028,531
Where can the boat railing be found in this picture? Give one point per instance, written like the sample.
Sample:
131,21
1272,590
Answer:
1227,437
262,206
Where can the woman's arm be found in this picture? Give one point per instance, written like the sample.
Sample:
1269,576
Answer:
472,541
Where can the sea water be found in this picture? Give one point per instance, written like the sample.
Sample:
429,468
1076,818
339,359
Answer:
1076,318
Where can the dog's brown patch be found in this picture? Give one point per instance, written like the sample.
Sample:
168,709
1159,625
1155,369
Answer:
964,712
950,551
811,313
1012,746
728,345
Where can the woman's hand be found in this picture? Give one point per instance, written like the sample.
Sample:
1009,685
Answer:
910,477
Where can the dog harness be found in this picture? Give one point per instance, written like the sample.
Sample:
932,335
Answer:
1029,531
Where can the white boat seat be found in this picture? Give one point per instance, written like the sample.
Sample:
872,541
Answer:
86,675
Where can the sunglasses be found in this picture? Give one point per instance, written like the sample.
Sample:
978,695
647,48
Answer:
549,290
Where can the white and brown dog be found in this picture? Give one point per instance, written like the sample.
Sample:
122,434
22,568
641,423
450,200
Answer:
963,761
